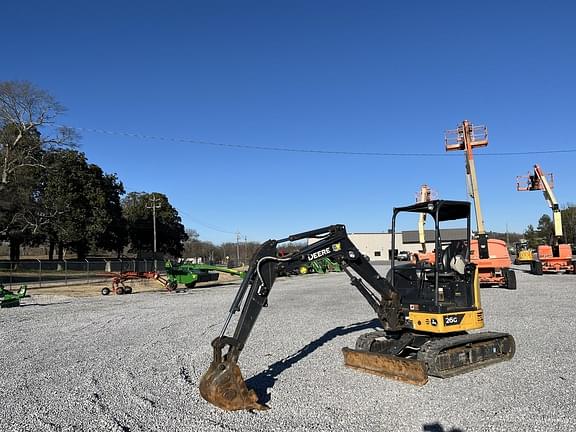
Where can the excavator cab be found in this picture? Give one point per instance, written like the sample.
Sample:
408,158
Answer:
447,283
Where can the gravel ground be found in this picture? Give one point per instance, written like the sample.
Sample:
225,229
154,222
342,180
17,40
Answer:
133,363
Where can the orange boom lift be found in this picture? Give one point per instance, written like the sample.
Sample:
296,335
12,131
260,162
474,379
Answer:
424,195
556,257
490,255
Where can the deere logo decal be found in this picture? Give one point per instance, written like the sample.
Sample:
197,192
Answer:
327,250
318,254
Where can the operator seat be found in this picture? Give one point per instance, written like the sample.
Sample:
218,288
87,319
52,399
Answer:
447,255
453,257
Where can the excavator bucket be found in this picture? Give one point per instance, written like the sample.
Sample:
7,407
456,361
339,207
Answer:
386,365
223,385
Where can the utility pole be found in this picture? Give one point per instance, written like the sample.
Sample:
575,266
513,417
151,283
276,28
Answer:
245,249
237,248
154,204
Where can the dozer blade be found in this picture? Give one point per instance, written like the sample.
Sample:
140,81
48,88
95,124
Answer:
223,385
386,365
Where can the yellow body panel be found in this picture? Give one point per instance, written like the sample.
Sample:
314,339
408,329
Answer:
524,256
451,322
476,287
447,322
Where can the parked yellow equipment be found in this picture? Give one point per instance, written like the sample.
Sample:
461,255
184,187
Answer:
524,254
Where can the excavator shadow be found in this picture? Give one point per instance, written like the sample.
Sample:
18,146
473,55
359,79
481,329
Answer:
265,380
44,304
437,427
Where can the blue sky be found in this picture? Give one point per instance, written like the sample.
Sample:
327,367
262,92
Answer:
366,76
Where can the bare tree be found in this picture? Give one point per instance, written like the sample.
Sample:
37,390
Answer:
28,133
25,109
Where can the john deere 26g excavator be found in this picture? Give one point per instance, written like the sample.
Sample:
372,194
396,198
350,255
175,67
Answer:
425,310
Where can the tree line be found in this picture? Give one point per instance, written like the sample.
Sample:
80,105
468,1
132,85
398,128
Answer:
231,253
544,231
51,194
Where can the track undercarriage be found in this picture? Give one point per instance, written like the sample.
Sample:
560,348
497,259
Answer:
412,357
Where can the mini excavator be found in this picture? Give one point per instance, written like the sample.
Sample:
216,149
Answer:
425,310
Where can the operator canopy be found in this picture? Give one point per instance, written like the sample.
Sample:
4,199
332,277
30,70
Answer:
447,210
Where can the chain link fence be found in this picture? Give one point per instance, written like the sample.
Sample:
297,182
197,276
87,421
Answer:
44,273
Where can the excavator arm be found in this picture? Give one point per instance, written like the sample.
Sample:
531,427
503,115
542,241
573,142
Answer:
223,385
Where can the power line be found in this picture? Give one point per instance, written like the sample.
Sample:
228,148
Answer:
180,211
205,225
314,151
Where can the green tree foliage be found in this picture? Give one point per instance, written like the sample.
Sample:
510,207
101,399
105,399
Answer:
546,229
115,234
510,237
569,223
84,204
170,233
532,237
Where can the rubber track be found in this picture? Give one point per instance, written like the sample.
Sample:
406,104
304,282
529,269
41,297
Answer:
477,350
